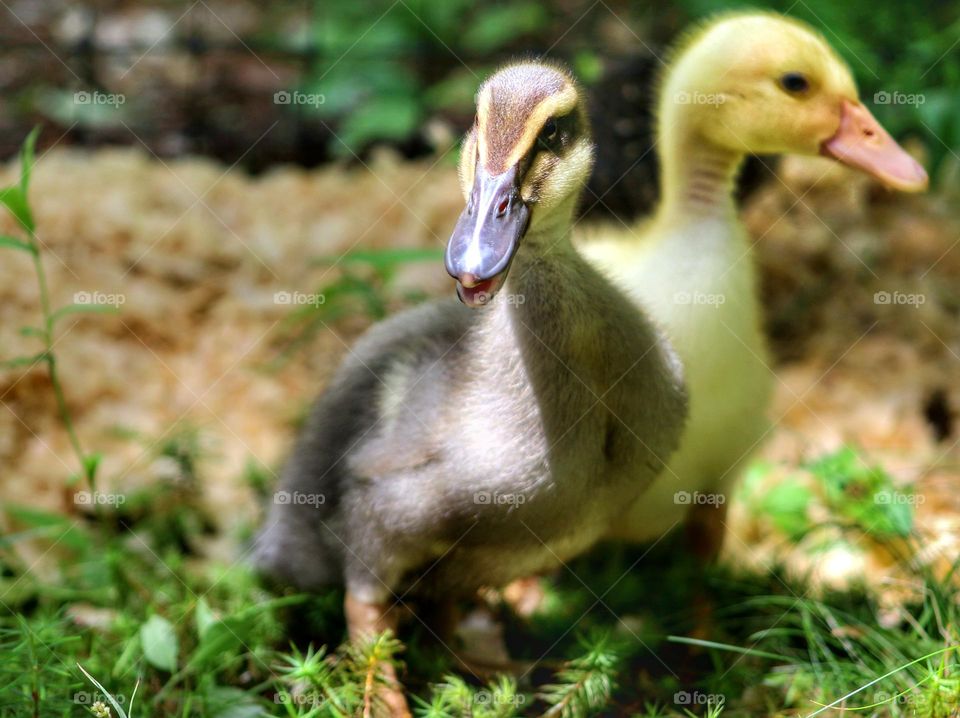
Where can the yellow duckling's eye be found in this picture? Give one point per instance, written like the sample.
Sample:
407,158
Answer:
549,132
794,82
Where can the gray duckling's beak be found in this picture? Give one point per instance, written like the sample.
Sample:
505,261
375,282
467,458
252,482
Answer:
487,235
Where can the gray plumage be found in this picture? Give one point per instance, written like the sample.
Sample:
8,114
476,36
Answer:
474,437
457,448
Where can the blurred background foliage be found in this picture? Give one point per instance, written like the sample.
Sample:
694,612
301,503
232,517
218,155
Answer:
894,50
202,80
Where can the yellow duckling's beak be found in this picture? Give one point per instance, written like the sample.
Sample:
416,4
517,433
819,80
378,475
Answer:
862,142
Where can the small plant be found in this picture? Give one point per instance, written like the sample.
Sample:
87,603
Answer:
857,494
15,199
453,698
863,494
344,684
99,709
586,683
362,288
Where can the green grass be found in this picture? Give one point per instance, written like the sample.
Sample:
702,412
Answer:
202,639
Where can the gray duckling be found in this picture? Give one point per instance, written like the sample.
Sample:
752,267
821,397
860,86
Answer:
466,444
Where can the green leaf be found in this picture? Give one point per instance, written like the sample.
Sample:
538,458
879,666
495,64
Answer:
14,200
786,505
204,617
63,530
159,642
83,309
455,92
497,26
91,462
14,243
27,159
221,639
391,117
863,494
23,361
588,66
230,702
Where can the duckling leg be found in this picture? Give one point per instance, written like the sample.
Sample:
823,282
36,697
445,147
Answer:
705,528
370,619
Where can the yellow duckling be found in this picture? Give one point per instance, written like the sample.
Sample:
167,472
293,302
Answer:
740,84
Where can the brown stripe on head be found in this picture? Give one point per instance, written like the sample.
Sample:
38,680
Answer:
512,107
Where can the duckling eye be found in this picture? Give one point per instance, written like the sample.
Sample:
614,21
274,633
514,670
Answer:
549,132
794,82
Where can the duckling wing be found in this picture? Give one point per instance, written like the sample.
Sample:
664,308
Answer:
363,429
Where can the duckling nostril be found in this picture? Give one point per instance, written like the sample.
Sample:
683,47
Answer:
502,207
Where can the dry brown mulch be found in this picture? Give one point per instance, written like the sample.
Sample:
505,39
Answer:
197,255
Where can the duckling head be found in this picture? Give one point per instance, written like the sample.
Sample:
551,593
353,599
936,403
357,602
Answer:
522,166
762,83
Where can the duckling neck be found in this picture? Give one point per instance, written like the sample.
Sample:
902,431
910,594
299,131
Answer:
546,282
697,177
